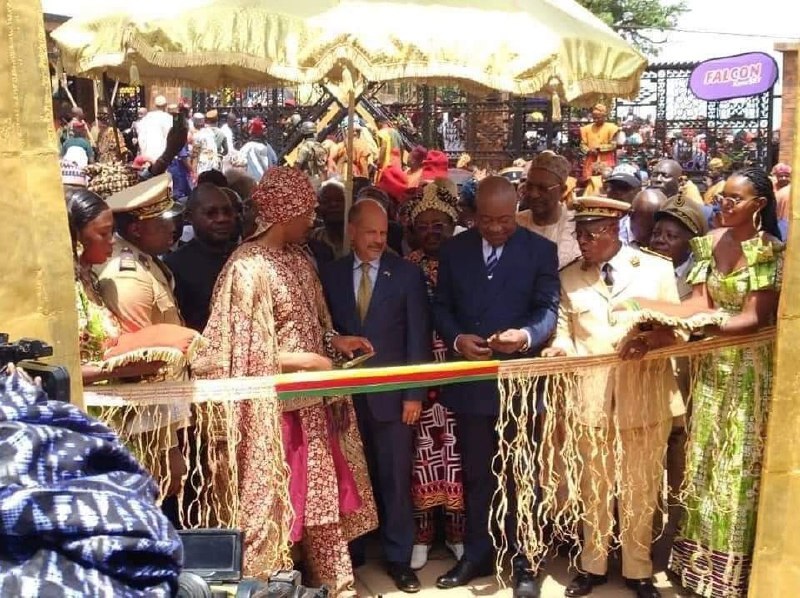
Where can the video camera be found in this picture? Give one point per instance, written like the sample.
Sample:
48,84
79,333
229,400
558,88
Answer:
212,562
24,353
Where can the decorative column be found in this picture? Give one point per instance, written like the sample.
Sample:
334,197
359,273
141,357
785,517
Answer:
776,559
37,294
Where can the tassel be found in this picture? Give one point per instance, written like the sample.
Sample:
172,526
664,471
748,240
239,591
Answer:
555,100
134,79
556,104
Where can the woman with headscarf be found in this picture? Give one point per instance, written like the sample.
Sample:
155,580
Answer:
437,464
302,475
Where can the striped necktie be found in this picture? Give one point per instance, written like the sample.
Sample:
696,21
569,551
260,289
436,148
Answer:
491,263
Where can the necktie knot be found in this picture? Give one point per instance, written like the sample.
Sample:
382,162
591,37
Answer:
365,268
608,275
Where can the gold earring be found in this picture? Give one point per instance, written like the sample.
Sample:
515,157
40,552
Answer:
79,249
757,220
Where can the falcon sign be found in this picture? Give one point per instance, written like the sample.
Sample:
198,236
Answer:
734,76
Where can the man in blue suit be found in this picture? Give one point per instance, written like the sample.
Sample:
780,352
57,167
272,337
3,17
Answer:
496,298
384,298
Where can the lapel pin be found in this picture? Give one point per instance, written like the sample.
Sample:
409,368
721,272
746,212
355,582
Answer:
387,274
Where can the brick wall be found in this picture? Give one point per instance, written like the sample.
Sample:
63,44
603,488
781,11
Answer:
788,99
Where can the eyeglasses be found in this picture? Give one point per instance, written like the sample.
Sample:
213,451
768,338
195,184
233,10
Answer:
541,189
436,227
579,233
719,199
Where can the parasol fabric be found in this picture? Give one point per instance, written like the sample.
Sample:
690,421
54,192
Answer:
517,46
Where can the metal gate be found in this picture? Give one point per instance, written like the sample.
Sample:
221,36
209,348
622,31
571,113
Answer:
667,119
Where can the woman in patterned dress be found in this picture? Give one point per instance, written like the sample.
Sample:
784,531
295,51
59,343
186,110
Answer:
302,474
437,465
737,270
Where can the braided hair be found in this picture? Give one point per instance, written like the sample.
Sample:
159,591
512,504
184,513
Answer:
762,184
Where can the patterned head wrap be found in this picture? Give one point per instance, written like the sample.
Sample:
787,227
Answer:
781,169
282,194
436,197
556,165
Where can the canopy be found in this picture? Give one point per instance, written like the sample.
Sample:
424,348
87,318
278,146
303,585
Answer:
516,46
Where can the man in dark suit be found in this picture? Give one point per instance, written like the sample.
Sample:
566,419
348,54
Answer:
383,297
496,298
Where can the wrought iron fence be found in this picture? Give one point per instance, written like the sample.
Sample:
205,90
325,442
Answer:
665,120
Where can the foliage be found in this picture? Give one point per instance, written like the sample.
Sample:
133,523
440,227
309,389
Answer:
635,19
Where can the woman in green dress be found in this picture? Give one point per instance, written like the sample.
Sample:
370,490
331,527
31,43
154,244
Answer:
737,270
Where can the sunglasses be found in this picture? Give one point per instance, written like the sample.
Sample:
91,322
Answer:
720,199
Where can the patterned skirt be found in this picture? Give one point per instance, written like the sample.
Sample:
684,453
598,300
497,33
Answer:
436,478
712,554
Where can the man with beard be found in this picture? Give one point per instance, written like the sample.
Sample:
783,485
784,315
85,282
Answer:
624,418
197,264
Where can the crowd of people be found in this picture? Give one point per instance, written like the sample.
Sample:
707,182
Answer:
261,260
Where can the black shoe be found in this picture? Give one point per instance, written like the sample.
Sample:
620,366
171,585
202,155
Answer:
463,573
644,588
404,578
584,583
525,584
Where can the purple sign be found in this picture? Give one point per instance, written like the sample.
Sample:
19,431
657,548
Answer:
734,76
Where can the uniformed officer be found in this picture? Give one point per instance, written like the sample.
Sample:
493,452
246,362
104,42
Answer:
138,288
135,284
623,413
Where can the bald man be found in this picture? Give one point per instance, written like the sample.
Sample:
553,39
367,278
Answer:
666,177
380,296
643,216
496,298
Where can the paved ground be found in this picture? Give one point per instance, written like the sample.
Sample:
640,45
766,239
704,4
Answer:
372,581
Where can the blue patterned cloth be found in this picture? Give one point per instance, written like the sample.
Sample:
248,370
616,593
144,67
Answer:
77,512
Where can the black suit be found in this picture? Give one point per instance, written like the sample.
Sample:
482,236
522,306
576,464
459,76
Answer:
523,293
398,326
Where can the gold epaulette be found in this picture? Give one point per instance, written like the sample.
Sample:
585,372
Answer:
649,251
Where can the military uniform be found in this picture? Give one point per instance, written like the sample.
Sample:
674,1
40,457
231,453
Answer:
623,413
137,287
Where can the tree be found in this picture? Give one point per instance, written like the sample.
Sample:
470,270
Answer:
636,19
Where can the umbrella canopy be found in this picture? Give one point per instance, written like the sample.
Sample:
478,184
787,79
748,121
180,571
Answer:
517,46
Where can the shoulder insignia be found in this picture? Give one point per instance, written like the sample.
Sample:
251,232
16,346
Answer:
649,252
127,262
635,261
